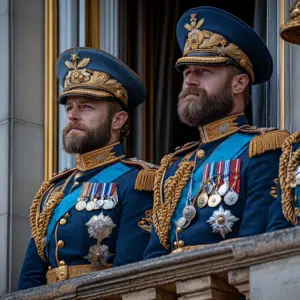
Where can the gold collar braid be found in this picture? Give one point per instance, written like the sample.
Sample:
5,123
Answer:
219,129
287,166
163,211
97,158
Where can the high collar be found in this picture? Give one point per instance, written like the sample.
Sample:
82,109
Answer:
222,128
99,157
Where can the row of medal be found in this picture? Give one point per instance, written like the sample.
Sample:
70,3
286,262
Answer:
94,196
220,181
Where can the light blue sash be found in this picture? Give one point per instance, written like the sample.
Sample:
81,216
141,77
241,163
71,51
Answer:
230,149
108,175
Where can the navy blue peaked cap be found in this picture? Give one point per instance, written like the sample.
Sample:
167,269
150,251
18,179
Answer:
212,36
98,74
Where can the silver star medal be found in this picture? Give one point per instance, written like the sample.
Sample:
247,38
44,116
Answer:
222,221
99,228
98,255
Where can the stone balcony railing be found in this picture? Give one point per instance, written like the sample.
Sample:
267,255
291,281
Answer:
261,267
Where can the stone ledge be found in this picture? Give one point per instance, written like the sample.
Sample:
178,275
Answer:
212,259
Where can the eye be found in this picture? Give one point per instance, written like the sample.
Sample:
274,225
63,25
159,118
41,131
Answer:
203,71
86,107
186,73
68,108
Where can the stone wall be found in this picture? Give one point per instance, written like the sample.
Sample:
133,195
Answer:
266,266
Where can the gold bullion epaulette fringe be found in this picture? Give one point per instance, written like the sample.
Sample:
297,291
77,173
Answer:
268,139
145,178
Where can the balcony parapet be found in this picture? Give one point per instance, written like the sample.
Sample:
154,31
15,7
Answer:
265,266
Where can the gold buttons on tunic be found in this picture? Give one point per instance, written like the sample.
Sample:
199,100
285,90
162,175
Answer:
179,230
200,153
181,244
60,244
62,221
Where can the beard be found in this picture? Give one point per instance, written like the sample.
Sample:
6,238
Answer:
201,108
92,139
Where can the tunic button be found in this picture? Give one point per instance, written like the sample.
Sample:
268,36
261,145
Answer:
60,244
201,153
181,244
62,221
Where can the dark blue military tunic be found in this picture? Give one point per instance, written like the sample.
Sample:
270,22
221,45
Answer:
70,241
251,211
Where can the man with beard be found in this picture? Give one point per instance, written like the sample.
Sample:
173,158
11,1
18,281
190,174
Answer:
219,187
98,214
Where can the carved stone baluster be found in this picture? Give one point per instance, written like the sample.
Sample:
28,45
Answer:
240,279
150,294
206,288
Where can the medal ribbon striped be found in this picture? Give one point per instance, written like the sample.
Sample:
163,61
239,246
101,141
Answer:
235,175
94,190
220,169
104,187
226,173
211,172
205,174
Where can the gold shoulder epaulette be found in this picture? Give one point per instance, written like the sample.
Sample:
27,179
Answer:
267,140
62,174
145,178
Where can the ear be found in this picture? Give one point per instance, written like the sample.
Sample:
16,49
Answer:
239,83
119,120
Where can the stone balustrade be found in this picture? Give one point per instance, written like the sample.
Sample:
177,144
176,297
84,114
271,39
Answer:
262,267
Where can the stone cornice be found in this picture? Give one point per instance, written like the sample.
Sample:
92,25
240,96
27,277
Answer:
166,270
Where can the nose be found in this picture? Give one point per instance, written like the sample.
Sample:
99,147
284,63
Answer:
191,79
74,114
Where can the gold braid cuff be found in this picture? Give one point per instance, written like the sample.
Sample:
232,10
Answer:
163,211
287,167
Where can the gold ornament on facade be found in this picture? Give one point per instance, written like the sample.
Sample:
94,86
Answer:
98,84
210,42
290,31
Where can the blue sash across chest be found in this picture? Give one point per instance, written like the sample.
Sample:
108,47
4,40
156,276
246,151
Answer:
108,175
230,149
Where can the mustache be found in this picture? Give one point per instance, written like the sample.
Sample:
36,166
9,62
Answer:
71,126
193,90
